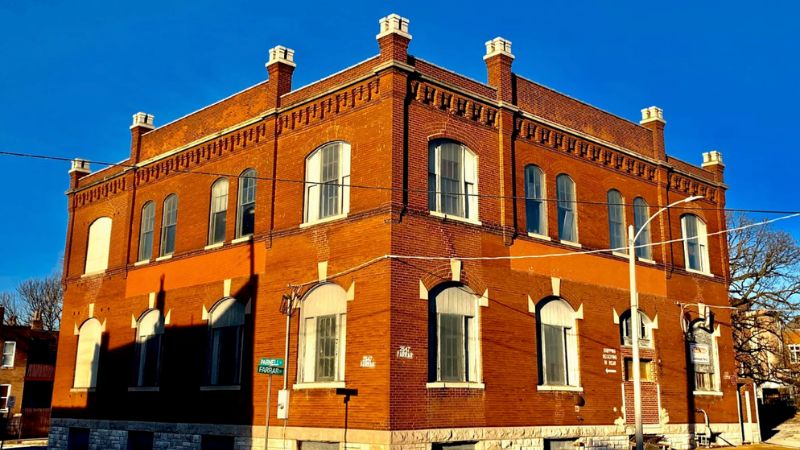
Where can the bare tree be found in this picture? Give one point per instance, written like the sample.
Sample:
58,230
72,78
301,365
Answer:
10,303
765,286
42,295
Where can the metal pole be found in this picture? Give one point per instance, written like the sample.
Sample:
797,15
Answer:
635,321
269,397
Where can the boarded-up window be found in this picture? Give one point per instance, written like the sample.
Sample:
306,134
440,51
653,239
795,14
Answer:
97,245
88,356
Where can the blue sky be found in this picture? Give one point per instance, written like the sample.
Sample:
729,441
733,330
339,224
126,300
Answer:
72,74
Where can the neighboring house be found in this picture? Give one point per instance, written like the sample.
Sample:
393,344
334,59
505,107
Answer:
453,254
26,377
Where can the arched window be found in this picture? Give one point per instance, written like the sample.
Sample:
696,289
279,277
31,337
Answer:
88,355
567,212
146,231
695,243
98,245
645,329
149,330
641,213
454,347
219,211
246,211
616,221
452,179
323,334
226,334
558,341
535,206
705,358
327,182
169,224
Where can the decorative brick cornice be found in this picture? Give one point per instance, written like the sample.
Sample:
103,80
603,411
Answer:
336,103
100,191
689,186
444,99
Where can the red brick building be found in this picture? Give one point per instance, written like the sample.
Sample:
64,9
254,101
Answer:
448,243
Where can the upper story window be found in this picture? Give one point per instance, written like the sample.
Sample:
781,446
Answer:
149,330
705,358
323,334
641,213
645,329
98,245
146,231
9,351
219,211
616,221
794,353
452,179
567,210
535,205
246,210
226,335
5,393
88,354
558,340
695,243
455,355
169,224
327,182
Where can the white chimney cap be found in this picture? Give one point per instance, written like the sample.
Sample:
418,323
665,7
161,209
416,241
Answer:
498,46
712,158
141,119
281,54
80,165
393,23
651,114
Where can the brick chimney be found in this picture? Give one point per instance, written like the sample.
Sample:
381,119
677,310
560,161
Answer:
653,119
142,123
37,324
712,162
80,168
393,38
498,60
280,68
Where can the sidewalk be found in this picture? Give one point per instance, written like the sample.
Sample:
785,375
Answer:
788,434
31,444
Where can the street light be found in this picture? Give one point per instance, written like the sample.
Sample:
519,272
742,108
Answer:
635,320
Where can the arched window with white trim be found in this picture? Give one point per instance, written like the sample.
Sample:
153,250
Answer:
327,186
616,221
641,213
535,205
695,243
87,359
149,329
323,334
226,339
454,346
169,225
645,329
558,342
146,230
246,209
219,211
567,209
452,179
98,242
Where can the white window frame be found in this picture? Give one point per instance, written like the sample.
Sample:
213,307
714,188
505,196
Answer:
644,341
147,224
794,353
216,314
564,199
644,249
541,198
702,243
312,191
169,218
98,245
324,300
245,198
469,182
4,400
87,358
156,331
219,204
616,207
558,313
13,354
458,301
714,350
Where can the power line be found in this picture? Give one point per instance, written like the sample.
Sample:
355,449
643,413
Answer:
388,188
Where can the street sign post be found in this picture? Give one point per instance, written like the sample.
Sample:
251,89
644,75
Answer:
270,367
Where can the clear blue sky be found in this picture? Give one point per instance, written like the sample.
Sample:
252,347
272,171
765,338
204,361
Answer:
72,74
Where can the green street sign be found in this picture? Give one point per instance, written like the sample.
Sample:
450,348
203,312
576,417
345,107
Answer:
271,362
269,370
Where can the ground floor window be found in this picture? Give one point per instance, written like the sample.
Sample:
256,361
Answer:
140,440
214,442
560,444
5,393
78,439
318,445
453,446
645,370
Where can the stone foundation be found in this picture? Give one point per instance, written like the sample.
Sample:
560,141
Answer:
112,435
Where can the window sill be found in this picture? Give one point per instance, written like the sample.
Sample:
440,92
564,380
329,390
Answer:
455,385
141,263
555,388
620,254
143,389
571,244
93,274
213,246
539,236
708,393
700,272
7,367
456,218
647,260
325,220
249,237
76,390
319,385
164,258
235,387
647,346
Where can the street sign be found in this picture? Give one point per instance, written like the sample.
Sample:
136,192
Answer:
270,370
271,362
